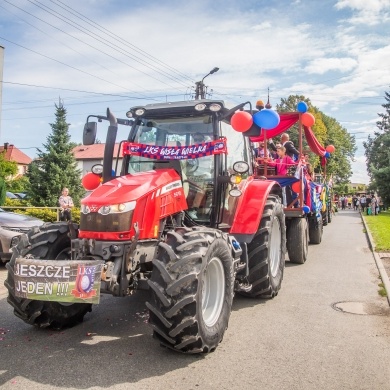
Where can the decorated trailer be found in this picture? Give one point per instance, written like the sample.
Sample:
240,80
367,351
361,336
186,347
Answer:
185,217
303,198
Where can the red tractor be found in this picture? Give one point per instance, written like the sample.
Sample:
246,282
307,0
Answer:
183,215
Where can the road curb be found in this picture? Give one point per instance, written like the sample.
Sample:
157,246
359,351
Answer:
378,261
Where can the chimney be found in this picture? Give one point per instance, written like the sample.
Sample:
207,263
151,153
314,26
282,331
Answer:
6,144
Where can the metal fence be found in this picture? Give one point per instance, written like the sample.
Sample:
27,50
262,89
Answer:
58,212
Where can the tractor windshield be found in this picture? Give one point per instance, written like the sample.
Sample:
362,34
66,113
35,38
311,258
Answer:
180,143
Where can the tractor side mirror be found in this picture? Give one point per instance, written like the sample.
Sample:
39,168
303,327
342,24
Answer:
89,133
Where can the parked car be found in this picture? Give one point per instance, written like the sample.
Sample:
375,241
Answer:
21,195
13,225
11,195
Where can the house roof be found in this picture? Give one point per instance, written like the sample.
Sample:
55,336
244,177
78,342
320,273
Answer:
14,154
91,152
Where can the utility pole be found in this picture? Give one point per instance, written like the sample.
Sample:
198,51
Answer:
200,88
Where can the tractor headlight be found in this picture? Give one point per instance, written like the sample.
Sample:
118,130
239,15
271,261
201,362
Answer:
85,209
140,111
235,179
200,107
117,208
97,169
241,167
215,107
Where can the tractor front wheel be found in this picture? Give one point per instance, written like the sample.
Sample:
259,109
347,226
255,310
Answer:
47,242
192,289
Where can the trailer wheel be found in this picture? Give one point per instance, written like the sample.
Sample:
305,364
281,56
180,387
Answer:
297,240
324,216
49,241
315,230
267,251
191,290
329,209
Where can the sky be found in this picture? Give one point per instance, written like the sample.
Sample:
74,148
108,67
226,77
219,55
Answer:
94,54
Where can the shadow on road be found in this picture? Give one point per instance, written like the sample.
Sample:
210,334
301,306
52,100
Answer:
113,345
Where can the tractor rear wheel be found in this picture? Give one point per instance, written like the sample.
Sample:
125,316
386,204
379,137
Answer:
51,242
315,230
267,251
297,240
191,289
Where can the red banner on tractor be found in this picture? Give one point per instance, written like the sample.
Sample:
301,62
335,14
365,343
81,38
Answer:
175,152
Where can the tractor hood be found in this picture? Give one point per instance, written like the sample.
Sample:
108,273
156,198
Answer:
130,187
112,211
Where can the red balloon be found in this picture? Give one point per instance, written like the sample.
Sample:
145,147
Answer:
308,119
241,121
90,181
296,187
330,148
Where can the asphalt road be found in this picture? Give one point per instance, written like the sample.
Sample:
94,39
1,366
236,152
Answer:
295,341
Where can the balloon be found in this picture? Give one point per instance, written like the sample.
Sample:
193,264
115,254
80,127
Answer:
330,148
90,181
302,107
308,119
327,154
306,209
266,119
296,187
241,121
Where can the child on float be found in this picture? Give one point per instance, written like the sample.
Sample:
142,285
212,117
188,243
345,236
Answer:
282,163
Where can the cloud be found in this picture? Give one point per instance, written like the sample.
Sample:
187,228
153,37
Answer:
366,12
323,65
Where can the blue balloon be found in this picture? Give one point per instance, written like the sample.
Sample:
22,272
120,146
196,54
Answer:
327,154
266,119
306,209
302,107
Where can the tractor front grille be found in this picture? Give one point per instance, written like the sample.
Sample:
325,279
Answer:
95,222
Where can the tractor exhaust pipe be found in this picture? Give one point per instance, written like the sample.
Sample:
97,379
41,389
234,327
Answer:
110,145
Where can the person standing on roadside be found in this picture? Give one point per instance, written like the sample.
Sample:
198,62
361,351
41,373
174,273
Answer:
374,205
66,205
363,202
368,205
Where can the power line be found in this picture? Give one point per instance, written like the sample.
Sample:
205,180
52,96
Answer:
79,40
50,36
104,42
62,63
138,50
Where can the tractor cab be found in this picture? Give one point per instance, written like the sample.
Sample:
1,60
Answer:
193,139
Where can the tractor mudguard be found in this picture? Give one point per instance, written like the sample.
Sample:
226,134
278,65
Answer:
250,207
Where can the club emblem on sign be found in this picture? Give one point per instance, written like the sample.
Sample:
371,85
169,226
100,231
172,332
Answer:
84,282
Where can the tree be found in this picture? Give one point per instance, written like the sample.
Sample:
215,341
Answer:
56,167
328,132
377,152
7,169
20,184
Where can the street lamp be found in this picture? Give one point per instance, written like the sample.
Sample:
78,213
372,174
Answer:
200,91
